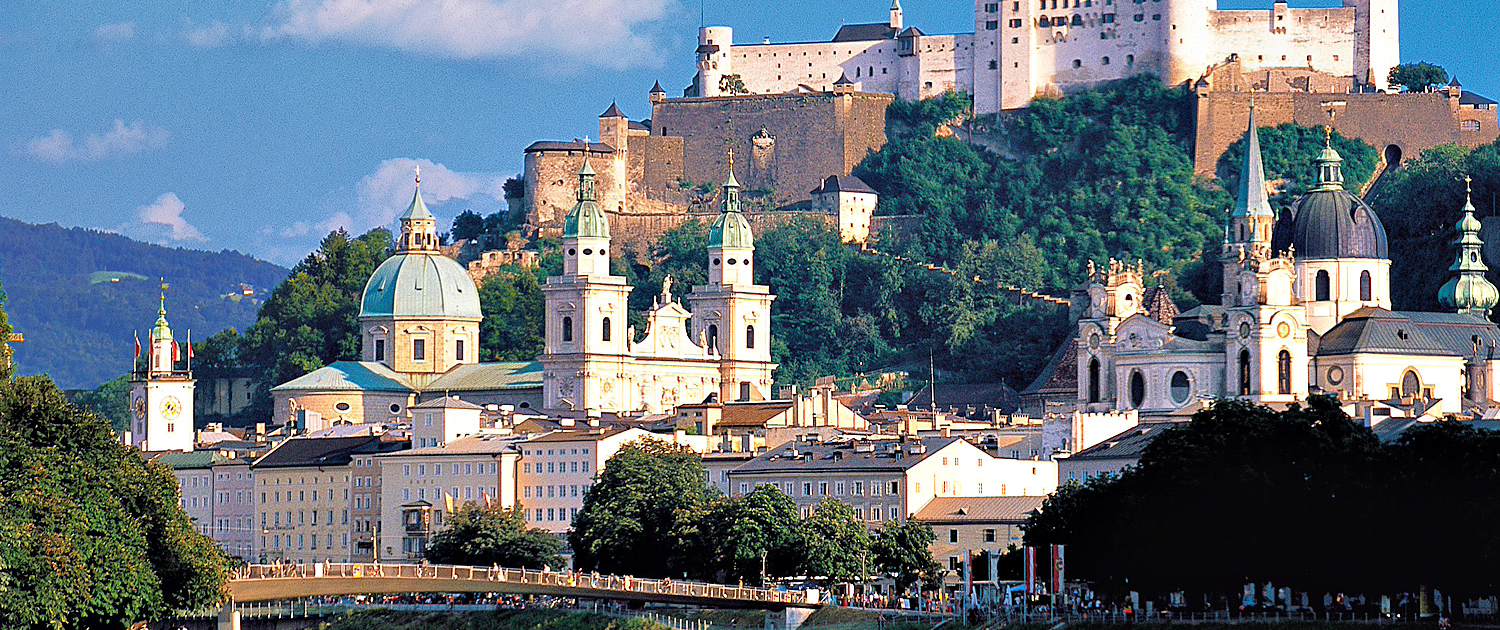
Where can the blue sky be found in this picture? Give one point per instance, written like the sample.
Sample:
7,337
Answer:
261,124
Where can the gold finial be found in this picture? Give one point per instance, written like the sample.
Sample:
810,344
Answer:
418,169
1468,185
731,158
1327,135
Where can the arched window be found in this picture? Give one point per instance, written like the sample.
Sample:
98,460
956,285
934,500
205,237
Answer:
1284,372
604,336
1093,380
1137,389
1411,384
713,336
1244,372
1181,387
744,390
1365,292
749,336
1320,283
567,329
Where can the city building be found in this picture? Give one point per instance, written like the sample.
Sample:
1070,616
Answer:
419,336
967,525
889,478
1305,309
161,394
720,350
304,490
557,469
215,489
1021,49
422,487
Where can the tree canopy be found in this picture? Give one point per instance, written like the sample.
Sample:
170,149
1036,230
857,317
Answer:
759,529
491,535
640,516
1289,151
95,536
904,549
1417,77
512,304
838,543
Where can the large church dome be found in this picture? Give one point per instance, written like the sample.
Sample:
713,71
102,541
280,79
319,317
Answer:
1331,222
419,281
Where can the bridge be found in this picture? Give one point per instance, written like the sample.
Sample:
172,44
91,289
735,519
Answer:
266,582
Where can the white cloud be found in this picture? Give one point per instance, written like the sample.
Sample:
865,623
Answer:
213,35
609,33
386,193
115,32
167,210
59,146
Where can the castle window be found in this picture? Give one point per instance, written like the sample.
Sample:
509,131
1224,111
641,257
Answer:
992,64
1321,289
458,350
1156,17
419,349
1129,60
1365,291
1283,372
1093,380
749,336
1140,17
1077,20
379,349
1469,125
1077,63
604,336
990,25
1181,387
567,329
1244,372
1137,389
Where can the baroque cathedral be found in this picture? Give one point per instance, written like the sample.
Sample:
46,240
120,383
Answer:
1305,309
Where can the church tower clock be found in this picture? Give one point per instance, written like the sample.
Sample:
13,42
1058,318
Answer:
161,398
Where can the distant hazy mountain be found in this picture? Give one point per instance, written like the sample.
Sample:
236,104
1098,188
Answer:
78,294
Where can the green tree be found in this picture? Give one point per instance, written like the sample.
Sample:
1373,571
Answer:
760,529
838,543
904,550
1289,152
95,536
489,535
468,225
111,399
732,85
649,496
513,328
311,318
1417,77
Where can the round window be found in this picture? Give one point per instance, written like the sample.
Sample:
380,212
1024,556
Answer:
1244,330
1335,375
395,408
572,252
1094,341
525,405
1473,256
731,261
343,406
603,251
1181,387
588,252
1284,329
716,261
1137,389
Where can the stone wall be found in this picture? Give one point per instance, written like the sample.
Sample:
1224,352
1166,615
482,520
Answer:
1398,125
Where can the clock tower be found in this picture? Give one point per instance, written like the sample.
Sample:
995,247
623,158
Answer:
161,398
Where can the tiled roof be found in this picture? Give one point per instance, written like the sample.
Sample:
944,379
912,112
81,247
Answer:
1061,372
864,32
593,435
613,112
179,460
754,414
843,183
1129,444
1470,98
446,402
471,445
1159,305
489,376
349,376
1378,331
576,145
837,456
977,395
979,509
335,451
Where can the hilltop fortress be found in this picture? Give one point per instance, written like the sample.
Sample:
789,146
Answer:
1021,49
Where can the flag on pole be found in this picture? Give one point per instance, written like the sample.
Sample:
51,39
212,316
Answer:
176,353
1057,569
137,335
448,499
486,495
1030,561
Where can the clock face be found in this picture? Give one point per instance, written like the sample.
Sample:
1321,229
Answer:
1245,329
171,407
1284,329
140,408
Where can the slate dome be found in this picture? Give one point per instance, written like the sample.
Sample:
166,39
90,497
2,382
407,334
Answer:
1330,221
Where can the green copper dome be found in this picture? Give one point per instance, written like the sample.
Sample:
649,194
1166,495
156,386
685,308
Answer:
731,229
420,285
586,219
1468,291
163,330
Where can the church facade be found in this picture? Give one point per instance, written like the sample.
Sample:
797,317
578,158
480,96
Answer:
1305,309
719,350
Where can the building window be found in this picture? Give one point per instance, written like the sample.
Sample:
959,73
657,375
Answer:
744,390
1137,389
1107,18
1129,60
1411,384
989,535
1321,288
1094,380
1015,23
993,64
1244,372
458,350
604,336
991,7
1284,372
1469,125
713,336
990,25
567,329
1365,290
419,349
750,337
1077,63
1181,387
953,535
379,349
895,487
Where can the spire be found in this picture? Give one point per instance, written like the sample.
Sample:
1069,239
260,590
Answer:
897,20
1330,164
1468,291
163,330
731,188
1253,199
731,229
586,182
586,219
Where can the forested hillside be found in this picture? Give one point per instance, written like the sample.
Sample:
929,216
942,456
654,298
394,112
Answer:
77,295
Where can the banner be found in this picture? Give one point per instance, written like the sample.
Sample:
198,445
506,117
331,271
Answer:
1030,563
1057,569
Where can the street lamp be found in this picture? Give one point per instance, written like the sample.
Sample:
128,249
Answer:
763,567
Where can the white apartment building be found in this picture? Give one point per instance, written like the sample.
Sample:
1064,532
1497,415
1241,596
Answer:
558,467
422,487
891,479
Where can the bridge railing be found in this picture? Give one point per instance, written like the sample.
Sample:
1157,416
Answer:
567,579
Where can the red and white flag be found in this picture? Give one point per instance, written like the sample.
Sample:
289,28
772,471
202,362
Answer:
137,336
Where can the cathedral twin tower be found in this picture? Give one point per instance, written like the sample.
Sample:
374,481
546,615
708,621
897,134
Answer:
718,351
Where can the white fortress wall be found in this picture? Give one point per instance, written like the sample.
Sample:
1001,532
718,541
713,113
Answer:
777,68
941,63
1320,39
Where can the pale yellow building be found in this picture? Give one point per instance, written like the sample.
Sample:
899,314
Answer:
304,492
